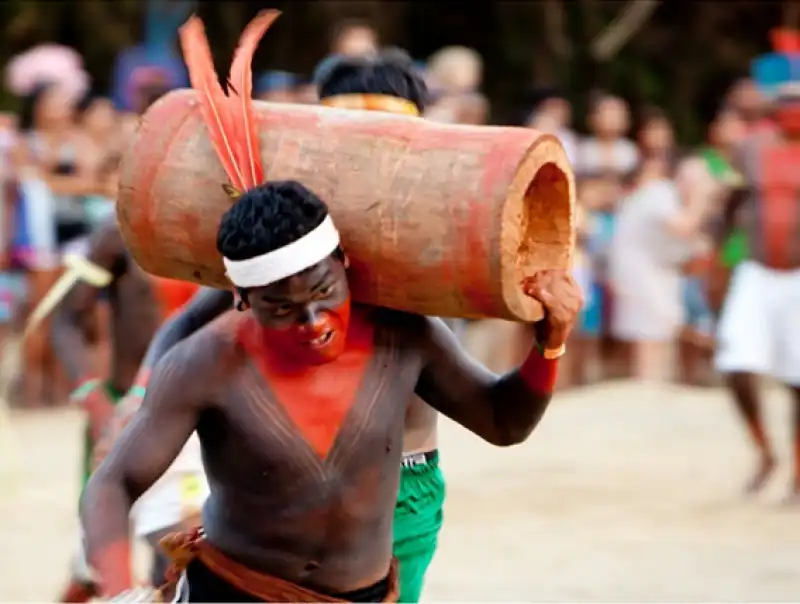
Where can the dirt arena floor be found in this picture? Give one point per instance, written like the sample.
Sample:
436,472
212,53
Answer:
625,493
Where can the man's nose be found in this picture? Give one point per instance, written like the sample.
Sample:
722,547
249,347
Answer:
310,318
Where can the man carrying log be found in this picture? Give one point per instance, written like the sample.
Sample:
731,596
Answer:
138,304
383,83
299,401
759,328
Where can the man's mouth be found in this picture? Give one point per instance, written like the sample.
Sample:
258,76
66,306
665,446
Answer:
321,340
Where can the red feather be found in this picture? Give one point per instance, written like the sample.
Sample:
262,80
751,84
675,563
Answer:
241,80
215,106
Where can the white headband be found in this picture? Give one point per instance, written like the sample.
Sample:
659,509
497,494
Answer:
297,256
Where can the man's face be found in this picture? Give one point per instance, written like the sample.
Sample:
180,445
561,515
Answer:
611,118
561,111
357,42
100,118
728,130
657,136
306,315
747,99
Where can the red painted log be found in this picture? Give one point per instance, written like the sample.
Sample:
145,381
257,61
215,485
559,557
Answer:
436,219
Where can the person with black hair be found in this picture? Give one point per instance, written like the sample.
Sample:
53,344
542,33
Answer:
300,399
387,82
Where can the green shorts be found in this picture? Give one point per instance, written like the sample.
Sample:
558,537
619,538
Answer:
417,521
735,249
88,446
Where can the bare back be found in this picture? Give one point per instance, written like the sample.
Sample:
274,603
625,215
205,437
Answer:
135,318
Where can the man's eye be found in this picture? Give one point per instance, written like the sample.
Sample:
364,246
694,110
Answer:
282,311
324,292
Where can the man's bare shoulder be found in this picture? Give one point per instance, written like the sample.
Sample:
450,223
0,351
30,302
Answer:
208,354
397,320
218,337
412,330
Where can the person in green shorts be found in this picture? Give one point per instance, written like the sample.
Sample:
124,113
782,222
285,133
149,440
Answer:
383,83
418,514
389,83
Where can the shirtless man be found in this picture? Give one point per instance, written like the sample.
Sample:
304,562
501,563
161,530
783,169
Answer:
393,86
138,304
299,403
759,329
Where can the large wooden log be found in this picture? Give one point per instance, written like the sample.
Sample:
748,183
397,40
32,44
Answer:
436,219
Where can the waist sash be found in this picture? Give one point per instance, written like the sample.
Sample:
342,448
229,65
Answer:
185,547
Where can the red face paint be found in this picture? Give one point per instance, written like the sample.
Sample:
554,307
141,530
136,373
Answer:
779,196
320,341
317,397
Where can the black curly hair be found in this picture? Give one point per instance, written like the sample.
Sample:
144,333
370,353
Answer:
30,102
268,218
391,72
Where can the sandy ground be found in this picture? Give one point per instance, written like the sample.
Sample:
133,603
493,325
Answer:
624,493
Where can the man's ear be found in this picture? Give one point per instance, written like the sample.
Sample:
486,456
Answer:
345,261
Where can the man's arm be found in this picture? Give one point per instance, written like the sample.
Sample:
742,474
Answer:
697,189
144,451
503,410
106,249
206,305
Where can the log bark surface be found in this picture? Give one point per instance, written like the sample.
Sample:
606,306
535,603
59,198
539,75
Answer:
436,219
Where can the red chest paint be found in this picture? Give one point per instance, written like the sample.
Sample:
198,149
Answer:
317,398
171,294
780,188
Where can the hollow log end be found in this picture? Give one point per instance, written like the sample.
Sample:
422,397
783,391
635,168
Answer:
538,223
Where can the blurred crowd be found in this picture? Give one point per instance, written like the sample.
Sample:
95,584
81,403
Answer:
646,209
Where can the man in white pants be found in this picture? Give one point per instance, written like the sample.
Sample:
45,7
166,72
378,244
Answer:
759,328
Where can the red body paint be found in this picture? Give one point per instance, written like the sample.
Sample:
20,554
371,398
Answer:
788,118
316,387
113,564
539,373
171,294
781,181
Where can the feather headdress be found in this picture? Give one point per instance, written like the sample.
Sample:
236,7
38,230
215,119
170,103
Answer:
230,118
